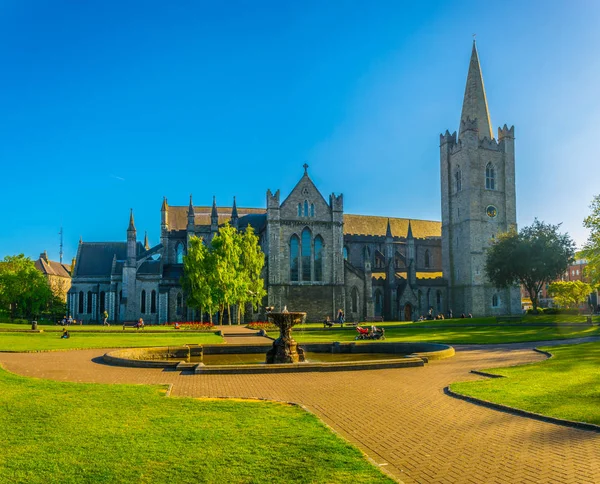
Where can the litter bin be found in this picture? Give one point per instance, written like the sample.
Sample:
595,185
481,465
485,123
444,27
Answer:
34,325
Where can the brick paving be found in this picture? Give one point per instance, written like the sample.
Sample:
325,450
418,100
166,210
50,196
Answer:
401,418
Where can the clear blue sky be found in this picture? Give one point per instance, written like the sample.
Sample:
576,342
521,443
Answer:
108,105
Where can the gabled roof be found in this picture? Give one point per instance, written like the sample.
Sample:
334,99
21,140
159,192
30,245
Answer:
373,225
95,258
52,268
178,215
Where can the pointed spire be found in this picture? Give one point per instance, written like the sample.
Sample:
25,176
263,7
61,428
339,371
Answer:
214,213
165,205
146,244
131,222
234,212
388,230
475,102
80,240
409,234
191,207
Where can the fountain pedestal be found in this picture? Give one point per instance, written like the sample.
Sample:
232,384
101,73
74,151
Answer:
285,349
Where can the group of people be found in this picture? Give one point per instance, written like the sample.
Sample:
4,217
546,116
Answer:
68,321
430,316
328,323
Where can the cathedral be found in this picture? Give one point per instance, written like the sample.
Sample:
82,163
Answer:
319,259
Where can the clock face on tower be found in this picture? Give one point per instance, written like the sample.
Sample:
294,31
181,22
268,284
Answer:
491,211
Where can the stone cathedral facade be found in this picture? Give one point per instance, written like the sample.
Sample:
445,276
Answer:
319,259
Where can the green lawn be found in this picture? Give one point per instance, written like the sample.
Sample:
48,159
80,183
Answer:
460,335
71,433
84,339
565,386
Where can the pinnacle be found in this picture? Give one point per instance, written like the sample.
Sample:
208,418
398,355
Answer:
475,102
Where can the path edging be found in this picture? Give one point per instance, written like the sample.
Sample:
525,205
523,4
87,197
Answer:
517,411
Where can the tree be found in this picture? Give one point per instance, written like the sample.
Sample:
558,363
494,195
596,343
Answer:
532,257
569,294
226,274
197,270
24,290
591,250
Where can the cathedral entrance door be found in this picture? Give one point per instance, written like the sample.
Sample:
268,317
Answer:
407,312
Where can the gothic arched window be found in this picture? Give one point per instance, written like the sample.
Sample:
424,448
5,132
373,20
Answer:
89,302
143,303
306,253
490,177
305,208
299,210
354,300
495,301
102,301
458,179
294,248
80,308
378,303
179,253
312,209
427,259
345,253
438,301
153,302
318,258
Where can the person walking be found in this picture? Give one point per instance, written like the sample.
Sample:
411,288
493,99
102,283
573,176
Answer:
105,318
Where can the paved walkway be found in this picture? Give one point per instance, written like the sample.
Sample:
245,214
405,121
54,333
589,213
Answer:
399,417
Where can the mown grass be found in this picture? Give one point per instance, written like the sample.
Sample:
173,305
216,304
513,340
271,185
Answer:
72,433
83,339
460,335
566,386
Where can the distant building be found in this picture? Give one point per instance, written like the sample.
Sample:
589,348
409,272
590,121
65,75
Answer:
57,273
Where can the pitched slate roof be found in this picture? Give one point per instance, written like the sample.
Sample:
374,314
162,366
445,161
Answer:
178,215
52,268
95,258
373,225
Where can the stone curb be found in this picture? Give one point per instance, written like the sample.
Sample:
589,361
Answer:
517,411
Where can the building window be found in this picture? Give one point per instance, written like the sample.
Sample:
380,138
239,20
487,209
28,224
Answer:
490,177
318,258
420,301
312,209
179,253
294,244
102,301
427,259
143,303
306,254
89,302
80,308
458,179
179,308
305,208
495,301
153,302
345,253
354,300
299,210
438,300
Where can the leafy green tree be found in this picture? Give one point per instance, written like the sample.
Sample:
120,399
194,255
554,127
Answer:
251,265
591,250
197,271
24,290
569,294
531,257
227,281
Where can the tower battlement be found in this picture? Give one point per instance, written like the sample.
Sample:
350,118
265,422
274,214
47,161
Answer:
447,138
506,132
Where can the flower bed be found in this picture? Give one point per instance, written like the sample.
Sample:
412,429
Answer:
192,326
264,325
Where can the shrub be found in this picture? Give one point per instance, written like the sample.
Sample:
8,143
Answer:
193,326
264,325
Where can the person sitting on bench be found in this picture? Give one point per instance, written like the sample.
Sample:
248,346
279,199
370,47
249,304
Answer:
328,323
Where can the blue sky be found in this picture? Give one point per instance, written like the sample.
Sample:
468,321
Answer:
110,105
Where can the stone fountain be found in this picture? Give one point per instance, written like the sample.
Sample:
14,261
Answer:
285,349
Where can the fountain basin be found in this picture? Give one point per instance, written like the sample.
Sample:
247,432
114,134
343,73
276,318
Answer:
401,355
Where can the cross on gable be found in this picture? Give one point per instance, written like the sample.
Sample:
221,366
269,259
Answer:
305,166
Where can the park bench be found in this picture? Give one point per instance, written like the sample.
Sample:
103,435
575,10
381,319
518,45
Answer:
508,319
131,324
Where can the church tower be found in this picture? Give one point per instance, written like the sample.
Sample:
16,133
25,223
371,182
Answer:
478,202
